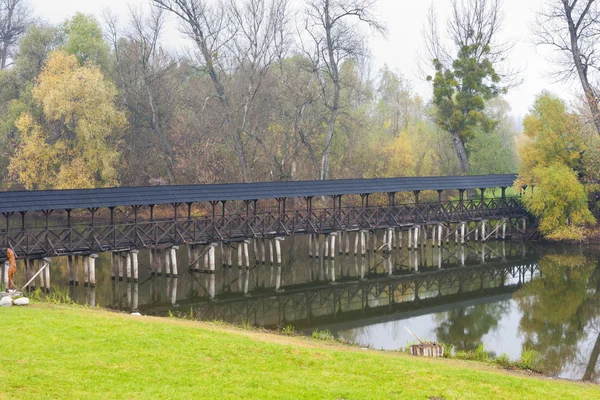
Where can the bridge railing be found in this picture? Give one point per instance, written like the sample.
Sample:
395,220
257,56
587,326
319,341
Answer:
237,226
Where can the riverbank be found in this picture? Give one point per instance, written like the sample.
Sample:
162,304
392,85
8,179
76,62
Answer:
57,351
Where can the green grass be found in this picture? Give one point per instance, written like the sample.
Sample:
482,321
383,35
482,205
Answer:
58,351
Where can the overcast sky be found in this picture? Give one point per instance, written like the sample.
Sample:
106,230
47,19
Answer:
404,20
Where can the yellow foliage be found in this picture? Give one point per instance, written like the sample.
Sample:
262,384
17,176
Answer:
399,157
76,146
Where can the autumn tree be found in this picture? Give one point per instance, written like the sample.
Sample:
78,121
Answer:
74,144
553,160
84,39
466,74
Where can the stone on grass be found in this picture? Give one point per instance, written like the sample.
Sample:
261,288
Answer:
6,301
21,301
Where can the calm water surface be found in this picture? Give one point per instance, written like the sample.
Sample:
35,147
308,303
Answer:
506,295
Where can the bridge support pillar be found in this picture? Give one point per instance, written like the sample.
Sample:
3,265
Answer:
167,258
347,237
120,265
278,241
272,253
92,265
151,258
240,255
211,257
47,273
86,271
357,235
310,245
128,266
416,239
326,247
134,259
247,253
409,239
333,236
440,229
462,232
363,243
503,228
390,240
524,223
483,224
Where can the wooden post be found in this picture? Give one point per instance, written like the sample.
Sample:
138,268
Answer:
400,239
503,228
440,232
271,253
462,232
390,240
240,254
120,264
92,265
416,239
356,239
347,236
363,246
134,259
524,221
326,244
409,239
263,259
173,252
310,244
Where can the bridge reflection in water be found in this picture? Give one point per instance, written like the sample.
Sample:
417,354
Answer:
307,291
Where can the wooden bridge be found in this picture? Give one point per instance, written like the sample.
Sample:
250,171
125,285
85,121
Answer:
47,223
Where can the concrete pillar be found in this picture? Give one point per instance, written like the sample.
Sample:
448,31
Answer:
390,240
128,265
151,258
92,265
86,270
503,228
462,232
456,233
47,272
278,277
246,254
483,223
333,237
326,245
211,256
356,239
173,252
167,258
134,260
310,245
363,244
409,239
240,255
440,232
278,241
416,239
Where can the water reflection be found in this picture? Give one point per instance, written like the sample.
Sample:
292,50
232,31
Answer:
505,295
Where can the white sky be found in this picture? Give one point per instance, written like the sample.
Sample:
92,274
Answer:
405,20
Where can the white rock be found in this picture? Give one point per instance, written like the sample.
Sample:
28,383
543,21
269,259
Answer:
137,314
6,301
21,301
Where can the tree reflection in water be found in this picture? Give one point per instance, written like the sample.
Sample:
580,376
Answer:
465,327
560,311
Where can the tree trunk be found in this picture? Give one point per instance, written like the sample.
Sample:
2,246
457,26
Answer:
459,146
590,95
591,367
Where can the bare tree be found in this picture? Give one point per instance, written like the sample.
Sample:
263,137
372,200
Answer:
336,39
143,71
15,17
572,29
230,37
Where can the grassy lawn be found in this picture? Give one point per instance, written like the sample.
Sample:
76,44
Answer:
51,351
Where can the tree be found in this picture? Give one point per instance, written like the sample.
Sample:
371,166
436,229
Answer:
335,41
146,75
246,38
466,73
84,40
15,17
74,145
570,27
